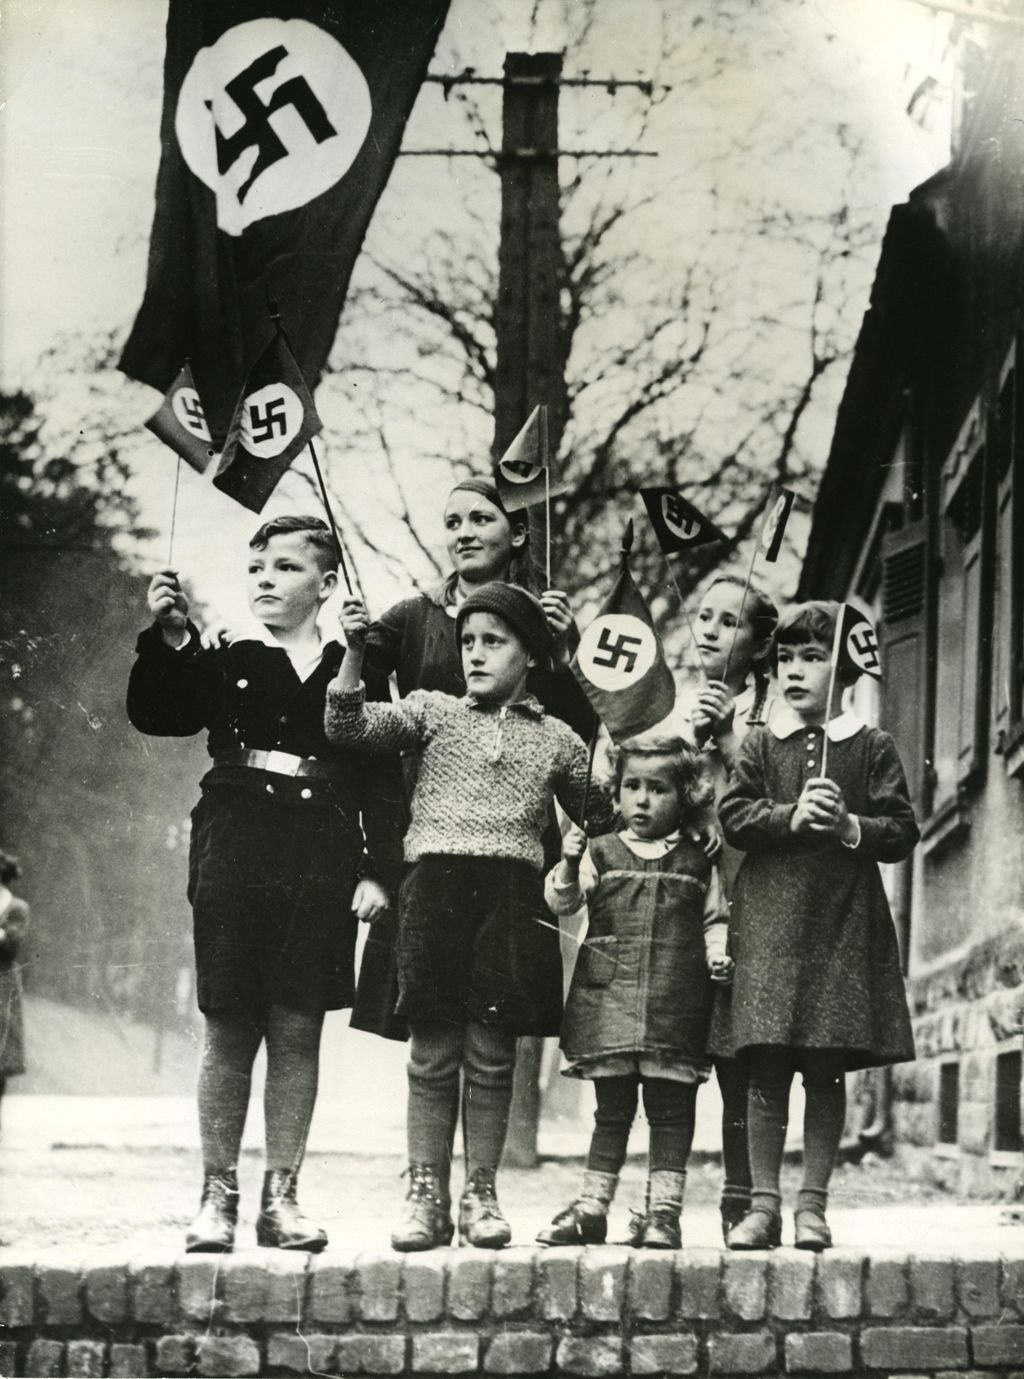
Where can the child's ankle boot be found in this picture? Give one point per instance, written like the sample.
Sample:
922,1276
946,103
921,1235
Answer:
280,1224
661,1229
585,1221
480,1220
734,1206
811,1230
761,1228
213,1230
426,1222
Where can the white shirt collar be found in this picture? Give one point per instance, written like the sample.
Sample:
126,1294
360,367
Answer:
785,722
652,848
303,664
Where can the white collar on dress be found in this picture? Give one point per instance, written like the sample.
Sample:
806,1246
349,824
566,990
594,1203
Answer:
785,722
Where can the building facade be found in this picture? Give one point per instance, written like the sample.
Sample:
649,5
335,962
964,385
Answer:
920,521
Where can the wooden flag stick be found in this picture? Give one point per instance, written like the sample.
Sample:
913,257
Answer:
543,426
330,518
686,617
836,640
174,514
743,604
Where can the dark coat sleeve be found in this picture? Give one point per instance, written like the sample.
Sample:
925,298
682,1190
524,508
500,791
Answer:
888,829
750,819
173,693
383,651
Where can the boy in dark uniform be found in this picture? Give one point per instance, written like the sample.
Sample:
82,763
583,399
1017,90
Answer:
278,876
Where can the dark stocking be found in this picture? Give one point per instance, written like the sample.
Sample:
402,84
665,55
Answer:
613,1118
733,1076
771,1072
293,1066
824,1073
225,1078
670,1108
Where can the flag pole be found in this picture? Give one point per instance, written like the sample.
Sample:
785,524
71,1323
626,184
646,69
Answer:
836,640
682,608
543,426
174,514
743,604
330,517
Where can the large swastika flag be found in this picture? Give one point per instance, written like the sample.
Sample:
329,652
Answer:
180,422
620,663
281,122
274,419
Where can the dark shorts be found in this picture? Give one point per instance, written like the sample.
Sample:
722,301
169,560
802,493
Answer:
271,877
476,942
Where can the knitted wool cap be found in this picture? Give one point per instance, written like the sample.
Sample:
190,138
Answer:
514,606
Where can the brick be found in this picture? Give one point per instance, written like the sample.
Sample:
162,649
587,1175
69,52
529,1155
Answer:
931,1287
698,1272
519,1352
370,1354
287,1276
378,1277
469,1285
445,1352
305,1354
887,1287
791,1285
603,1283
197,1285
512,1290
998,1345
753,1352
650,1285
819,1352
977,1287
1013,1285
559,1277
231,1355
45,1358
174,1354
9,1358
330,1287
243,1285
663,1355
17,1289
745,1284
151,1286
106,1290
589,1355
60,1291
840,1283
85,1359
914,1347
127,1361
424,1286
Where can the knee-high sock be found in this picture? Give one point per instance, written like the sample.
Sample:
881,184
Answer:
435,1056
671,1109
613,1119
771,1072
824,1073
489,1057
225,1079
293,1069
733,1077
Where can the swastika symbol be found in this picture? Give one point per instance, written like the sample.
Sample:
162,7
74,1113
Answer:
257,130
623,648
522,469
678,520
274,416
864,649
194,417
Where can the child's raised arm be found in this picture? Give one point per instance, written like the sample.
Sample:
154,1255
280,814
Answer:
348,720
572,880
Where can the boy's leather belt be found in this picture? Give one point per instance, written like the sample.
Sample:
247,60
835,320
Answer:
281,763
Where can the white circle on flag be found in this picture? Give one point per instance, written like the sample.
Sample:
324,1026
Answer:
271,419
188,410
679,523
616,651
519,471
270,116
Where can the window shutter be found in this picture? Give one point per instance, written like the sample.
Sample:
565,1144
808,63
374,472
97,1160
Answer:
904,687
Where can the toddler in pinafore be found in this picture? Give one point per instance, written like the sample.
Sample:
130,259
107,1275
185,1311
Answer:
639,1006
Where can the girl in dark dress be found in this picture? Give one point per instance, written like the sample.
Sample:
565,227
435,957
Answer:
818,982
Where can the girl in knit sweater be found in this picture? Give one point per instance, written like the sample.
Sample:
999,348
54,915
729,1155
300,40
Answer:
640,1001
478,957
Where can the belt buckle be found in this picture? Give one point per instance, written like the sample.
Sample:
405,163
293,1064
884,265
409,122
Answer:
283,763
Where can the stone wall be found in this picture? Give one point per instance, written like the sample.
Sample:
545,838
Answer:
600,1311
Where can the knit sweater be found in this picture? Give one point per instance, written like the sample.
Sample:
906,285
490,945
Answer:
487,773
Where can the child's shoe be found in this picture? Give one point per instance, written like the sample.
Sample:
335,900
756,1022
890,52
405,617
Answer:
760,1229
480,1220
585,1221
811,1230
213,1230
427,1221
665,1195
734,1206
280,1224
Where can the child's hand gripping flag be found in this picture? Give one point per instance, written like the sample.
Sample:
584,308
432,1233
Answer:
620,663
677,524
274,419
180,422
519,475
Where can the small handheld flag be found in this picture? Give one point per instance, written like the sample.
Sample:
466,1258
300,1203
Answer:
274,419
856,646
180,422
678,525
775,523
619,661
524,475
